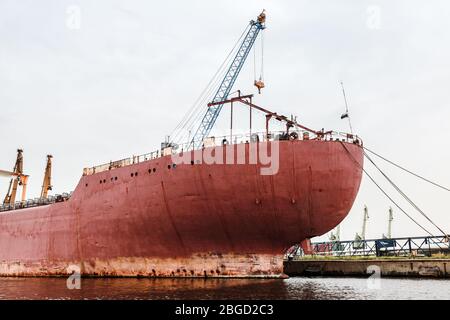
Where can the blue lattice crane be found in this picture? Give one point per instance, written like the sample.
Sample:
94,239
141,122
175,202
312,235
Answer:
228,81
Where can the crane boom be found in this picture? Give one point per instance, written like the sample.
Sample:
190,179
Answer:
5,173
366,217
18,179
391,218
228,81
47,182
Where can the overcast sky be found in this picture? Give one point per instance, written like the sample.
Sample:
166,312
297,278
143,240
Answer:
93,81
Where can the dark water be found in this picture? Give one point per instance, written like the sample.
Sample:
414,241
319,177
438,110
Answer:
293,288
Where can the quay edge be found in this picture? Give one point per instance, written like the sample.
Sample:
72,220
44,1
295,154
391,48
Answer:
412,268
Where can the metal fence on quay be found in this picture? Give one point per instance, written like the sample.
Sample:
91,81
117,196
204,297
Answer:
408,246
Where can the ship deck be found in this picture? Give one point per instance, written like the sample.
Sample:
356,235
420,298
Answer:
221,140
209,142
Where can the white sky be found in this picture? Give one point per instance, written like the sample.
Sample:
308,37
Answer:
120,82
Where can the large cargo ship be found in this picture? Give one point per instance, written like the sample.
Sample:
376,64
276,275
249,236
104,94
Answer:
176,213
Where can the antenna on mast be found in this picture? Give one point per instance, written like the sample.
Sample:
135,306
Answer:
346,114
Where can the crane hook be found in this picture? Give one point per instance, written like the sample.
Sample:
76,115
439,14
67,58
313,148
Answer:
259,84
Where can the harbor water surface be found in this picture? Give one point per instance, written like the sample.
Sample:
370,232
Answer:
292,288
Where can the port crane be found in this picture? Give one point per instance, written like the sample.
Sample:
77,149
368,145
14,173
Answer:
18,178
228,81
359,238
47,183
362,236
390,219
336,236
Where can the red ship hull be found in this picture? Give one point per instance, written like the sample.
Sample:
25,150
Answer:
192,220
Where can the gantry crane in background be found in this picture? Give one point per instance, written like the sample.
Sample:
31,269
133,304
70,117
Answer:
359,238
336,236
362,236
390,219
18,178
47,183
228,81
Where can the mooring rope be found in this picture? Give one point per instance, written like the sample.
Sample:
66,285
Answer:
404,169
385,193
404,195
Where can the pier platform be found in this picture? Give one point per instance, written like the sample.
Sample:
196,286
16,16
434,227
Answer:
398,267
399,257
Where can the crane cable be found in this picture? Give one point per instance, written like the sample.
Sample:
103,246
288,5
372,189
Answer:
403,194
220,74
262,57
195,108
261,74
404,169
346,114
254,63
384,192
